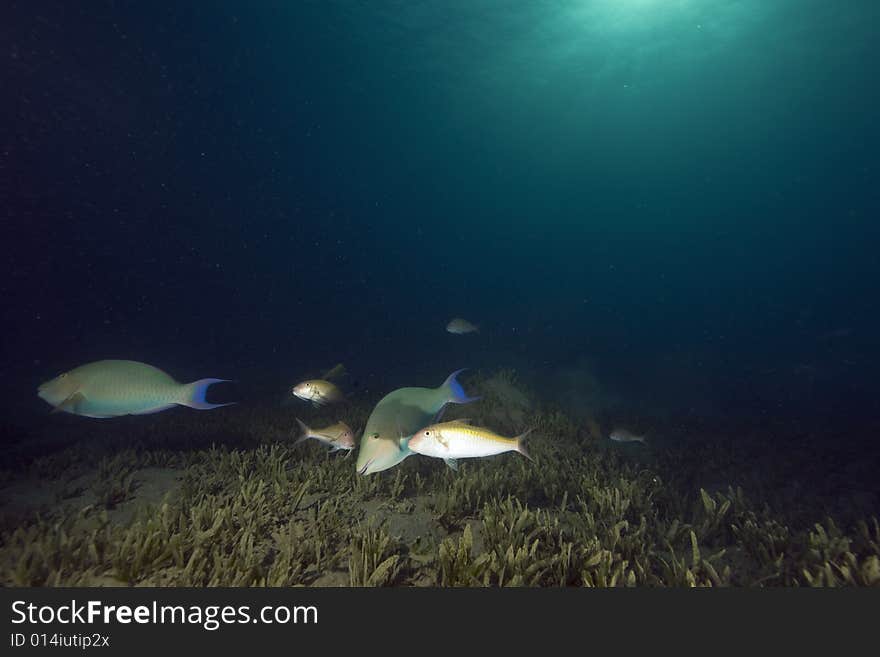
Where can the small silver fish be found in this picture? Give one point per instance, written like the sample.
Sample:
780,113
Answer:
317,391
624,436
460,326
337,436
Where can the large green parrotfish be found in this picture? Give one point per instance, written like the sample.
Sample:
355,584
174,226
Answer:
108,388
399,415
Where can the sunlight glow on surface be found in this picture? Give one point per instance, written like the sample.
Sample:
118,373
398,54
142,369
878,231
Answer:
651,19
641,4
638,11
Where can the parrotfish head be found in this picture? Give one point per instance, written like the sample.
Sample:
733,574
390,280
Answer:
58,389
379,453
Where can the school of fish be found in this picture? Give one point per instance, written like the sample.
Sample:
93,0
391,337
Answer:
404,422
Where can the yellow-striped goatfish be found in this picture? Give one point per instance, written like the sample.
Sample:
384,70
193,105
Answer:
109,388
458,440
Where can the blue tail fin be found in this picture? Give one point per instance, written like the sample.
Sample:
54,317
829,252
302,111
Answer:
197,390
457,394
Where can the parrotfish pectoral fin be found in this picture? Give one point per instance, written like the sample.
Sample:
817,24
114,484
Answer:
402,441
452,463
70,404
457,394
197,390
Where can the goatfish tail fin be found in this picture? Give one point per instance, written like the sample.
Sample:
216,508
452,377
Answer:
455,393
306,432
519,444
195,392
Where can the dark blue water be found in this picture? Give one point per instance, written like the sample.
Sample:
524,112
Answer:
676,200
